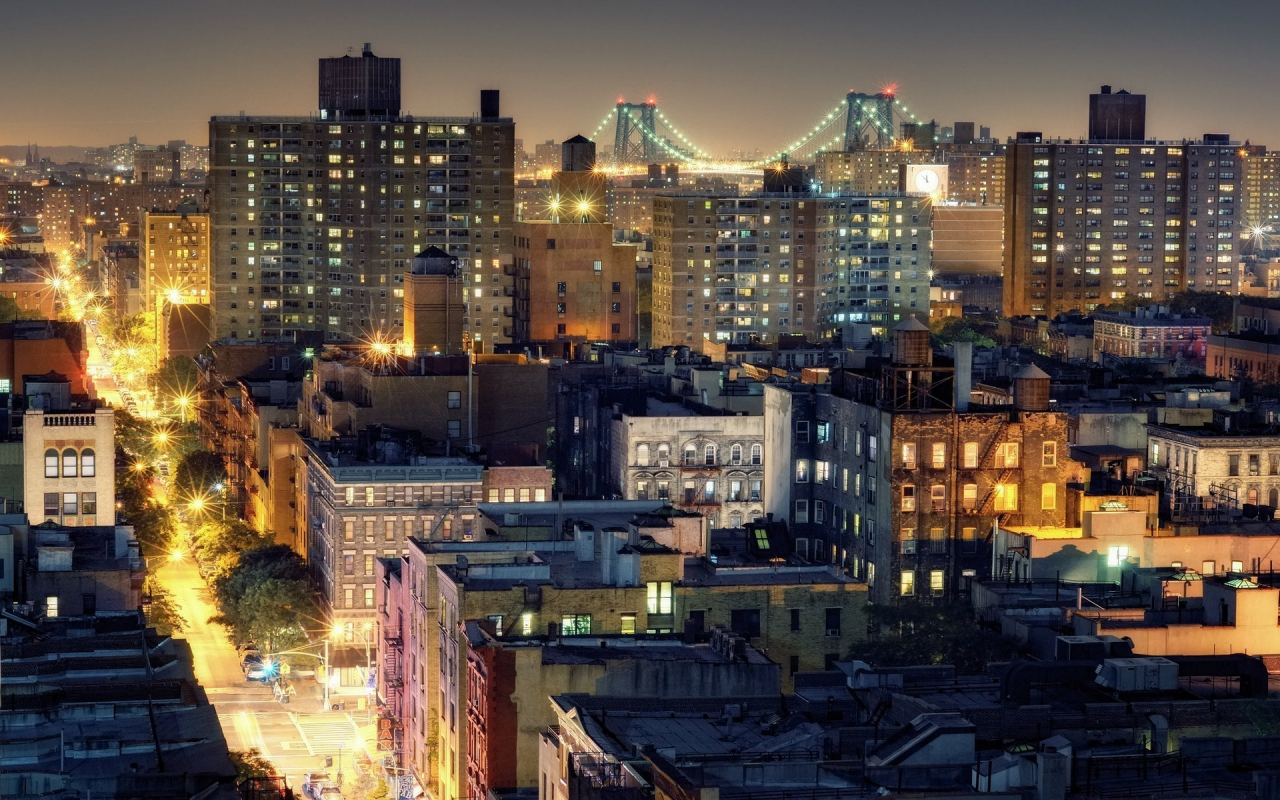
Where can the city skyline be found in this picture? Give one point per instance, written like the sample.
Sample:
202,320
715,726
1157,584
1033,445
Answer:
941,60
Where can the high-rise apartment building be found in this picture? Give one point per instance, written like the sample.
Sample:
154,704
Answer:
733,269
174,255
1260,186
1088,223
975,173
866,171
324,214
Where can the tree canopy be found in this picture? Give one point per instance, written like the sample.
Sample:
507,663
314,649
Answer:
927,634
266,597
197,473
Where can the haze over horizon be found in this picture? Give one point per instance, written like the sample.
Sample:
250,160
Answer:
736,78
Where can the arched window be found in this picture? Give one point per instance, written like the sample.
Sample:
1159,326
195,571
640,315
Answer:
1273,497
735,454
51,463
642,455
1252,497
69,460
709,455
757,454
88,464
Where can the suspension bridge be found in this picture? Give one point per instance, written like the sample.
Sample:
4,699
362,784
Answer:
643,135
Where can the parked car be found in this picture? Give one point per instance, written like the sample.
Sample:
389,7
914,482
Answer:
251,659
244,647
314,782
330,792
257,672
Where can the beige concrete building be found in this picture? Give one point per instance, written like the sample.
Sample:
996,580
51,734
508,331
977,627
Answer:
1260,186
711,464
69,465
875,172
174,256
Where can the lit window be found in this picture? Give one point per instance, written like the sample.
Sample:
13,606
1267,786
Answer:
1117,555
1048,497
908,583
908,497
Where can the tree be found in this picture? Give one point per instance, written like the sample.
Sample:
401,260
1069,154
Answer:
163,614
379,792
9,310
266,597
250,764
197,473
273,613
223,541
962,329
915,634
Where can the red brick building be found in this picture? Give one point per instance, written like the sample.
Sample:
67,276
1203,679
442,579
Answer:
491,714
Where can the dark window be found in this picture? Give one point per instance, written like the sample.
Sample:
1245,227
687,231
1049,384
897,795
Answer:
88,503
617,287
89,602
794,666
795,619
551,244
698,619
829,660
833,622
745,622
51,504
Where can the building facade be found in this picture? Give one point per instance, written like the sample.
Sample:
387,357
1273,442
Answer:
175,259
894,481
704,462
359,511
70,467
1150,332
1089,223
324,215
741,268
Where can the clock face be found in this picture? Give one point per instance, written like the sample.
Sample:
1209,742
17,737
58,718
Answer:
927,181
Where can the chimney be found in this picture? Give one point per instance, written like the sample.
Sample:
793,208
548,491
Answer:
367,52
1105,89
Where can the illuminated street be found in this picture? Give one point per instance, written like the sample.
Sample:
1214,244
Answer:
295,737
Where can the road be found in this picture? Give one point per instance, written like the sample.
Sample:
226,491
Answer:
295,737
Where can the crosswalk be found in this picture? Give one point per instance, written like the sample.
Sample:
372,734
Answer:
328,734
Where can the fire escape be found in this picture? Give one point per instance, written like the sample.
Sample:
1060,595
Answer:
988,463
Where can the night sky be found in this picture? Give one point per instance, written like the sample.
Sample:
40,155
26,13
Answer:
745,74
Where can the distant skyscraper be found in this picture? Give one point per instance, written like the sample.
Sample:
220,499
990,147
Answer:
315,220
359,88
1119,117
963,133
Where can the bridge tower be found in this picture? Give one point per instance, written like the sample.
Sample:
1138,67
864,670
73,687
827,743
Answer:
631,145
868,110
